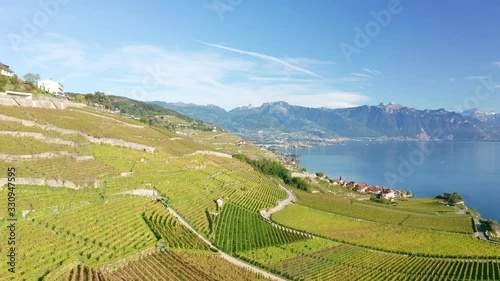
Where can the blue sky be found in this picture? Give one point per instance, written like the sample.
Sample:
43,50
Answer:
423,54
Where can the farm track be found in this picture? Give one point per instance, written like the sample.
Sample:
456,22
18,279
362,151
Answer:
281,205
481,233
227,257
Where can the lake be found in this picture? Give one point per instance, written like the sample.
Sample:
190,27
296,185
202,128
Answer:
425,168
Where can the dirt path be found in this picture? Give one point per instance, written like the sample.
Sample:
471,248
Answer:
281,205
224,255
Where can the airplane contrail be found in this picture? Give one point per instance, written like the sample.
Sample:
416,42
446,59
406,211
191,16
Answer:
261,56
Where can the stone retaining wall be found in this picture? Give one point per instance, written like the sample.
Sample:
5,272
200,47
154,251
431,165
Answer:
214,153
111,142
50,182
42,102
38,136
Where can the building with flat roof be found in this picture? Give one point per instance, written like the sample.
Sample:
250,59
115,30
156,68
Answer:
51,86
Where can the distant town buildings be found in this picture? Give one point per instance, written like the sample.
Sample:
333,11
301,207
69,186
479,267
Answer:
382,191
51,86
5,70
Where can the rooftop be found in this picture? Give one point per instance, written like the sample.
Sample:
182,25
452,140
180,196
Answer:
5,67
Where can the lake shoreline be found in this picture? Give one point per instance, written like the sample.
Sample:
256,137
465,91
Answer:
449,168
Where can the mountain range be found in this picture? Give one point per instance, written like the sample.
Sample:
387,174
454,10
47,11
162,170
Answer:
280,121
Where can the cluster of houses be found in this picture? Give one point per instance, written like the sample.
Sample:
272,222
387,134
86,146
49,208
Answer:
49,85
381,191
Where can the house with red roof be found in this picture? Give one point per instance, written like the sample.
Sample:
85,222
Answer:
5,70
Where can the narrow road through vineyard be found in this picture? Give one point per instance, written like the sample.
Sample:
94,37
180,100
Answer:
224,255
281,205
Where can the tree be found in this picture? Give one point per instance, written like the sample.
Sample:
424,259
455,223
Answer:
32,78
3,82
89,98
79,98
454,198
101,98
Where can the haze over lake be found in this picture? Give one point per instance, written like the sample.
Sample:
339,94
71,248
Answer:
430,168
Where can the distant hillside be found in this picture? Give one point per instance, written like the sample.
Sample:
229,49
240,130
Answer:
153,114
139,108
280,120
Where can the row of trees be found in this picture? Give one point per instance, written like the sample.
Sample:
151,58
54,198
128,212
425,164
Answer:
95,98
275,168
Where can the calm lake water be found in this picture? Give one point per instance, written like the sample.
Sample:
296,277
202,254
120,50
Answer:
425,168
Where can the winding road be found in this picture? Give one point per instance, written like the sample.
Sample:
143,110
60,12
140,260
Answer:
481,232
266,214
281,205
225,256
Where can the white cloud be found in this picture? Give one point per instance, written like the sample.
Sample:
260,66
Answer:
496,63
330,99
372,71
361,75
147,72
307,61
476,77
281,79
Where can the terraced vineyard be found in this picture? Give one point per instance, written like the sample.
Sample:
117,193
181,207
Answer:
99,226
28,145
170,265
166,228
392,238
345,262
399,216
82,272
66,168
429,206
99,233
240,230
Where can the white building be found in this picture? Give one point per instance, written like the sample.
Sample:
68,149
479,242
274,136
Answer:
388,195
5,70
220,202
51,86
